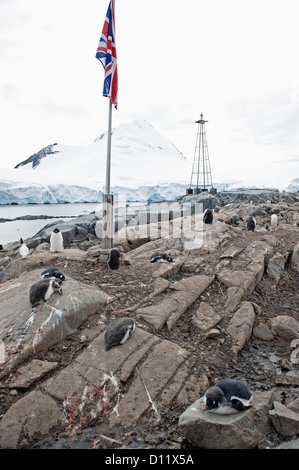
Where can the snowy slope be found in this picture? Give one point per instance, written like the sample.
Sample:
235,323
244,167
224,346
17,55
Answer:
139,156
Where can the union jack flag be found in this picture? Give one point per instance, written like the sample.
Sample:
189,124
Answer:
106,53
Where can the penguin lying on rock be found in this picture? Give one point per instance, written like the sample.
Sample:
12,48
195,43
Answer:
119,331
42,290
52,273
228,396
160,258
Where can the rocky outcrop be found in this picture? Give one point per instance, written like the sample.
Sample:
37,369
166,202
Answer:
27,331
42,415
238,431
285,418
285,327
186,292
295,258
243,273
197,318
93,385
240,326
41,256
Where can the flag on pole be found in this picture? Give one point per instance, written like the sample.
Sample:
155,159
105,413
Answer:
106,53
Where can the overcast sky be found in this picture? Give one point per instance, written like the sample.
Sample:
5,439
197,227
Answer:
235,61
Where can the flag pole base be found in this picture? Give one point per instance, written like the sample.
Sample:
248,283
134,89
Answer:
108,221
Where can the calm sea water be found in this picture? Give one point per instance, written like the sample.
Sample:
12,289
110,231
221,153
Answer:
13,231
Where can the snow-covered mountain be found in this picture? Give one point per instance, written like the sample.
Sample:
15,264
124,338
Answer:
139,156
145,166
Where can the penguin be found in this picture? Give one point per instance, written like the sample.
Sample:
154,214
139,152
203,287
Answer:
56,241
273,221
24,250
251,224
52,273
208,216
113,260
42,290
161,258
1,247
228,396
119,331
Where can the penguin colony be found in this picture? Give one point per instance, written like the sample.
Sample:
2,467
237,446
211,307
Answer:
227,396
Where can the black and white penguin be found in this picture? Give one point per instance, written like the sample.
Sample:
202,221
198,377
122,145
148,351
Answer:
42,290
228,396
56,241
119,331
52,273
208,216
24,250
1,247
113,260
273,221
161,258
251,224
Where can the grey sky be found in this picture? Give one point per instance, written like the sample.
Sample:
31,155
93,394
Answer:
234,61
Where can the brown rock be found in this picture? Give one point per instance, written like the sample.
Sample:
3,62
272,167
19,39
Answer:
34,415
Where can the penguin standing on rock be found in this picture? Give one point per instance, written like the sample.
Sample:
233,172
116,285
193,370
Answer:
251,224
119,331
228,396
208,216
52,273
160,258
273,221
56,241
24,250
113,260
42,290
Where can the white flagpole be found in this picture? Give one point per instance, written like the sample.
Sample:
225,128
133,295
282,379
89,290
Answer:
108,222
108,161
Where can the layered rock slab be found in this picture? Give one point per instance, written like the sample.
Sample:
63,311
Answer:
238,431
169,310
26,331
122,384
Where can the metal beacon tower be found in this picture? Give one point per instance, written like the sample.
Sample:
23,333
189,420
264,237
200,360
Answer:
201,175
